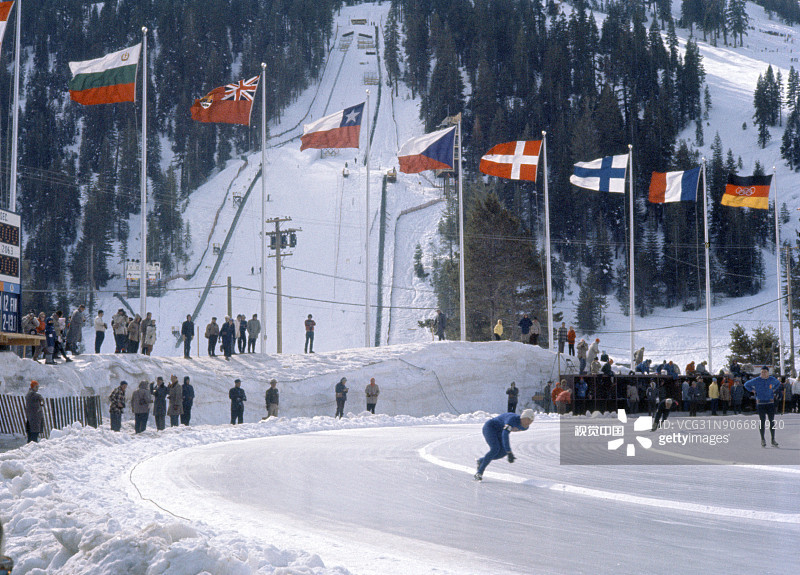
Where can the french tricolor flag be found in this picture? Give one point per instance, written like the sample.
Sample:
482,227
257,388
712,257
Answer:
432,151
674,186
339,130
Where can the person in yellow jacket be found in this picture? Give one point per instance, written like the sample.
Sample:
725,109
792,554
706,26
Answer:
498,329
713,395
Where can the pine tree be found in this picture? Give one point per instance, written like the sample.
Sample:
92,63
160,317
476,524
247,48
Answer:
391,49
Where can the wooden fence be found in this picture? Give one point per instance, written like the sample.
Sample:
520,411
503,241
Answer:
58,412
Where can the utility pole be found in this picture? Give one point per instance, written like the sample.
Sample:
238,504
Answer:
789,298
280,239
230,299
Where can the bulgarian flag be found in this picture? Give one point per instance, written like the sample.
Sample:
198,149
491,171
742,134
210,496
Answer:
5,9
106,80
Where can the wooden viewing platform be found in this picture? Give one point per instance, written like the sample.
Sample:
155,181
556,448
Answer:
8,338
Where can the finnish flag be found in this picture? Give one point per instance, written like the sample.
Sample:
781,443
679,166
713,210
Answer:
602,175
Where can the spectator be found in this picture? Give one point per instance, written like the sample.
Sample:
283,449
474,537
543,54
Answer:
595,367
638,356
133,333
237,397
34,413
242,332
556,391
796,395
764,388
690,368
149,339
188,401
119,323
563,401
145,323
513,395
581,391
725,395
75,329
662,412
30,324
644,367
536,329
561,336
59,325
633,398
341,397
546,397
272,398
571,341
309,324
713,395
525,328
606,369
228,335
99,331
372,392
737,395
253,331
702,369
686,394
439,324
701,394
594,351
187,332
140,405
694,396
160,393
116,402
212,333
498,330
736,369
49,342
175,396
583,348
652,398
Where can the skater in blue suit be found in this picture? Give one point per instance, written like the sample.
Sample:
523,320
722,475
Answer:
496,432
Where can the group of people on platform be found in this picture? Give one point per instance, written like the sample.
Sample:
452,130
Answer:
60,334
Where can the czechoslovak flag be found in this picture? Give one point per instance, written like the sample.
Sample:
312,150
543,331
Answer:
432,151
339,130
512,160
5,9
105,80
602,175
674,186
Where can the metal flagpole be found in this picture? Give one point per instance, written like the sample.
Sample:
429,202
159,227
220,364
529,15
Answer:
549,294
143,264
461,282
632,309
708,268
366,246
263,333
12,198
778,259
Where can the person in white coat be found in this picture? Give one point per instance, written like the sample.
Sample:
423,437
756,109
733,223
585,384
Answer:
149,337
100,327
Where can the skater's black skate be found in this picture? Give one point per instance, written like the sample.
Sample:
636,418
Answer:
774,443
478,476
763,443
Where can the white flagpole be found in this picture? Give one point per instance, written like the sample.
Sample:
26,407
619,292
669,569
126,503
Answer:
549,294
143,264
461,281
708,268
778,260
263,333
12,199
631,263
366,246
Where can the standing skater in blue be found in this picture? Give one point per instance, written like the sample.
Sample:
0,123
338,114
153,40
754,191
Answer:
764,387
496,431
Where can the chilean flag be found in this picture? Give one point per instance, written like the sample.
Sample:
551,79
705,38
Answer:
512,160
432,151
674,186
339,130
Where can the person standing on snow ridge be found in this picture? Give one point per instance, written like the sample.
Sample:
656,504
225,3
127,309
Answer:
372,391
228,334
513,395
140,405
341,397
439,324
764,387
498,330
309,325
237,397
496,433
34,413
116,403
99,331
187,332
272,398
175,396
253,331
160,393
571,341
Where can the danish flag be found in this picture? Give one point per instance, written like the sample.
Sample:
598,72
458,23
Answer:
512,160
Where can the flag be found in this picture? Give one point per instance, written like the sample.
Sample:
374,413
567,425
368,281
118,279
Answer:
602,175
432,151
229,104
106,80
512,160
747,192
674,186
339,130
5,9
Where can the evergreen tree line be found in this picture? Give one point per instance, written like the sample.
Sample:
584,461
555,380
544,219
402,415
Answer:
594,91
79,165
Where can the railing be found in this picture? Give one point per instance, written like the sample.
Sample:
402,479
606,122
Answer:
58,412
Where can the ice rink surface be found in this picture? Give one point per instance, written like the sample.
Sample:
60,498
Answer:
401,500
